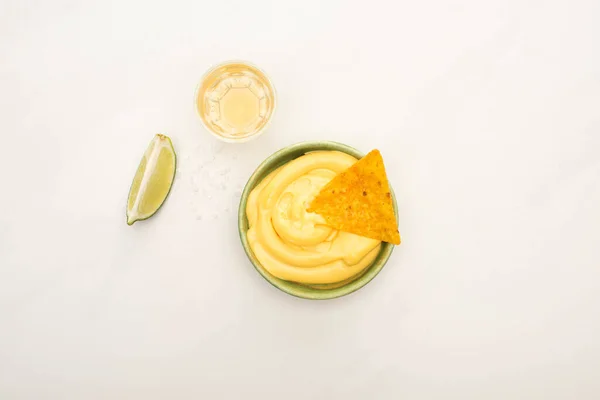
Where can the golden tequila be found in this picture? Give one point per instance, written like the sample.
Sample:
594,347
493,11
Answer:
235,101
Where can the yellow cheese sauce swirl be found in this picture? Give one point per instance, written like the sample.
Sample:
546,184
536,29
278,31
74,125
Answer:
293,244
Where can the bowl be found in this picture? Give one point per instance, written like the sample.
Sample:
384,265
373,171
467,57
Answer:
314,292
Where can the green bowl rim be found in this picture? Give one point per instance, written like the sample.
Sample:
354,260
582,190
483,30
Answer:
292,288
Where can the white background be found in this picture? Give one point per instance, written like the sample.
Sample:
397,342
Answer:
488,117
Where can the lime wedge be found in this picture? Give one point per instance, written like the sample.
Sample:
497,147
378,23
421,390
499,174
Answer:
153,179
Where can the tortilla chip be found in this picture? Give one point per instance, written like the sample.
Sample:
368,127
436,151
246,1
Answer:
359,201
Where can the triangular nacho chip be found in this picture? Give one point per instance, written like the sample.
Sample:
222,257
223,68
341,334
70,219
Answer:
358,200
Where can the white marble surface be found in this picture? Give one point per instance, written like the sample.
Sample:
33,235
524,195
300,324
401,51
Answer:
488,116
